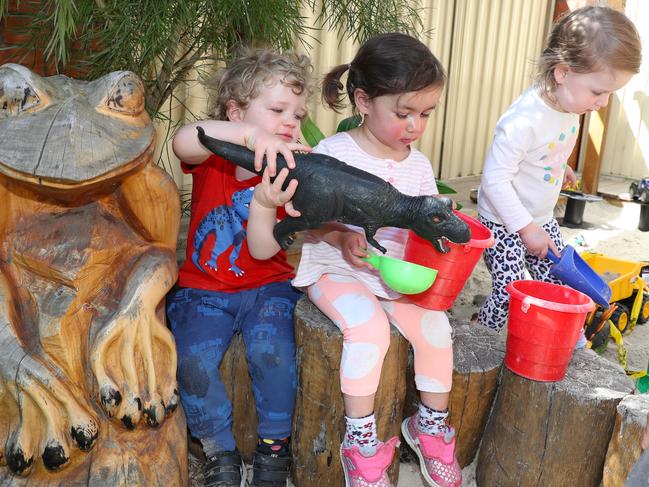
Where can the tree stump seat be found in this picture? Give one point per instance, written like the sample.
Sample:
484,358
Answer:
624,448
478,355
553,433
318,424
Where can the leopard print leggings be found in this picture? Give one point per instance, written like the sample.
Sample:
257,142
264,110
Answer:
507,261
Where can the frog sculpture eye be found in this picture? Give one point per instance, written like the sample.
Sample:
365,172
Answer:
127,96
16,94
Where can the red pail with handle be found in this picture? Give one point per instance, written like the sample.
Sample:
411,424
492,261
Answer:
543,328
453,268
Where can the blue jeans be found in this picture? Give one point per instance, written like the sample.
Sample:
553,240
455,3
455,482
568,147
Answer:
203,323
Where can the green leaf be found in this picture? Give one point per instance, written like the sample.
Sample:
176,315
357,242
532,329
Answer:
349,123
169,43
311,133
444,188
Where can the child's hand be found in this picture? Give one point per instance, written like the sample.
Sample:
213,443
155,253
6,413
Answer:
269,145
569,179
537,241
270,195
354,248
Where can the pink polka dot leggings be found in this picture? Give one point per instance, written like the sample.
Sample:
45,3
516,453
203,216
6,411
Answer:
364,320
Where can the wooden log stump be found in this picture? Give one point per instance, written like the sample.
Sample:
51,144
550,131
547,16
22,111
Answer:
238,386
556,433
318,424
478,354
624,448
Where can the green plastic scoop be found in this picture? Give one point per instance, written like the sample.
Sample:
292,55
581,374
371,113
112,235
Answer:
401,276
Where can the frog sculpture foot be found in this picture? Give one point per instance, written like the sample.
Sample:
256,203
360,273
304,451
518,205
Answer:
50,418
131,384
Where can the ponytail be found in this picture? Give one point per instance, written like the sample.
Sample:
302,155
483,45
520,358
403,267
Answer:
332,88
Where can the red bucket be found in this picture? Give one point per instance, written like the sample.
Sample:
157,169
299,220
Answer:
543,328
453,268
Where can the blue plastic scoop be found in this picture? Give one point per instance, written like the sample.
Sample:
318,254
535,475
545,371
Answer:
576,273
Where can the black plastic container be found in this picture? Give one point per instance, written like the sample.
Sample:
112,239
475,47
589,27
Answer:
574,214
643,224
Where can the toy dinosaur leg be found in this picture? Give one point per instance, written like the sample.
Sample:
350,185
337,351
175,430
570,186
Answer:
374,243
133,355
284,230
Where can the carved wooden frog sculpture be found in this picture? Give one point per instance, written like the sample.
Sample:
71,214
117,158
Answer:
88,229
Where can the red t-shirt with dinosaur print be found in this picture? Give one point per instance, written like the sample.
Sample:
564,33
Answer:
217,256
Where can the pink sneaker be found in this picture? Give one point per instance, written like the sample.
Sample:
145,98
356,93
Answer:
371,471
436,454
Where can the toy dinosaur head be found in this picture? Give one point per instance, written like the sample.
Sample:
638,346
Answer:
435,221
59,132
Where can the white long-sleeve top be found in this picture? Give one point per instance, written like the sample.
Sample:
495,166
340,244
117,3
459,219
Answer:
412,176
524,169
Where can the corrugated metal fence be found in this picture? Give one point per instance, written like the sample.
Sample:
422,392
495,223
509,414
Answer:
489,48
626,142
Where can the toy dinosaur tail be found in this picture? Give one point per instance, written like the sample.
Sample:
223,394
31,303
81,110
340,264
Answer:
234,153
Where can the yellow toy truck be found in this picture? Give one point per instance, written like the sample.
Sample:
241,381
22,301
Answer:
629,303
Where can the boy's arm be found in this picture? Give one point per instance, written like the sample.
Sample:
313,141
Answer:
263,214
261,241
188,149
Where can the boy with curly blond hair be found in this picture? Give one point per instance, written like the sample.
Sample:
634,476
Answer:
260,103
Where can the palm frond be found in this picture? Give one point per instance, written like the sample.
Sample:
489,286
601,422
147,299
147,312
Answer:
63,19
362,19
162,41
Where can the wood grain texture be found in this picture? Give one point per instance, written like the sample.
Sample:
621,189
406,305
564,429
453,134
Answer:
318,423
151,202
555,433
120,458
478,354
624,448
238,386
87,254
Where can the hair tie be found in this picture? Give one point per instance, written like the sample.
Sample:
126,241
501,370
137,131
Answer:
349,66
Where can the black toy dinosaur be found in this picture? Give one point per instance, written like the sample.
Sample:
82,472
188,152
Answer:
331,190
